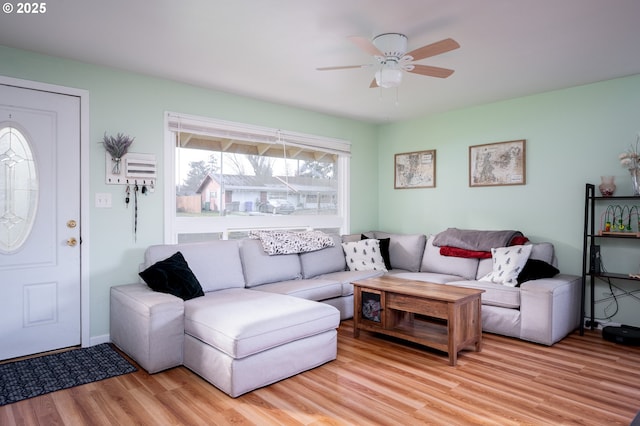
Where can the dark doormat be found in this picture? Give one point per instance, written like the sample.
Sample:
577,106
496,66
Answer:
38,376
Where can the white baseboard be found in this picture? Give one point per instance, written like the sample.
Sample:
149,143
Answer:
97,340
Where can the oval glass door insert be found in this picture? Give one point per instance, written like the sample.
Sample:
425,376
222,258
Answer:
18,189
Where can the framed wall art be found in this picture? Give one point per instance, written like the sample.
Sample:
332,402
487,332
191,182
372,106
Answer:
415,170
496,164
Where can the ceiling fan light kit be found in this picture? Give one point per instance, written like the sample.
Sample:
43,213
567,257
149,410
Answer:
390,51
392,47
388,77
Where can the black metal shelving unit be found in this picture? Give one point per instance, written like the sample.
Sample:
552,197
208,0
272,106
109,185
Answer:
589,270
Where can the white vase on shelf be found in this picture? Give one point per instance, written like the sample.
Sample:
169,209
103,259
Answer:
635,175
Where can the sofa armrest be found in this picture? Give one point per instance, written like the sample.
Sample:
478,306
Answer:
147,325
550,308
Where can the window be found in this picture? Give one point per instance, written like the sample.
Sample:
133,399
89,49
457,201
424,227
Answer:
18,189
229,178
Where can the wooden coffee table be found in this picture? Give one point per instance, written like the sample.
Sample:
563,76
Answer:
443,317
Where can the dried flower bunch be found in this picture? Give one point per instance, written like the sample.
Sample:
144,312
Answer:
630,159
117,145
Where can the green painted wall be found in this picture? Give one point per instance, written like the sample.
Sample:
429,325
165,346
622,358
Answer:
573,137
135,105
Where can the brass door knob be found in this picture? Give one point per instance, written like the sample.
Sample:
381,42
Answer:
71,242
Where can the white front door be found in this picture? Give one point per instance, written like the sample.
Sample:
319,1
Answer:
39,221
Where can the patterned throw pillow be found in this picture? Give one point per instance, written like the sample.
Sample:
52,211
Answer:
507,264
364,255
384,250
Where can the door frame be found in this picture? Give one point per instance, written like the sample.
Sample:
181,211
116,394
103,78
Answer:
85,301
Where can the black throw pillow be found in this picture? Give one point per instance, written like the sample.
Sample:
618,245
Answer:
384,249
173,275
535,269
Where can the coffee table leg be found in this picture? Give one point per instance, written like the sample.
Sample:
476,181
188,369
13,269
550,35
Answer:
479,325
451,334
357,296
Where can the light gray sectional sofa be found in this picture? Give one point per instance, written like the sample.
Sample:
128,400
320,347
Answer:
542,310
259,320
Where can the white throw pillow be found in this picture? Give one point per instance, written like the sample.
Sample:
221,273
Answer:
507,264
364,255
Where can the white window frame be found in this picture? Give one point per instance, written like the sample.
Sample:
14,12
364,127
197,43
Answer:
174,225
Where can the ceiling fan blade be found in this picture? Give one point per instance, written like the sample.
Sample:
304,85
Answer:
434,49
373,84
344,67
430,71
366,45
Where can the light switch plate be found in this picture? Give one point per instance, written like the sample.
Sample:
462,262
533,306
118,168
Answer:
103,200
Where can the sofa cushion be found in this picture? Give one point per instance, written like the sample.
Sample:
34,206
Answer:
484,267
172,275
405,250
433,261
216,264
364,255
494,294
430,277
349,238
507,264
330,259
347,277
310,289
243,322
544,252
260,268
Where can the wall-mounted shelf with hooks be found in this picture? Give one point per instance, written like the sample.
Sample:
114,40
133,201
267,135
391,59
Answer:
136,169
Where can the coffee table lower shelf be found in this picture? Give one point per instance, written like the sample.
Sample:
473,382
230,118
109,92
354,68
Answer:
416,331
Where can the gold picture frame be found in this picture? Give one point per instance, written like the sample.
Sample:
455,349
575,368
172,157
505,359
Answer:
415,169
498,164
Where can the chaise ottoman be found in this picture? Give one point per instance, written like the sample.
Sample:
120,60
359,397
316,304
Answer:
240,339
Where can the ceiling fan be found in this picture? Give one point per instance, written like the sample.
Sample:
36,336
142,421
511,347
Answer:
390,52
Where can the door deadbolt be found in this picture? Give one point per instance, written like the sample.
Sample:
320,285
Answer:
71,224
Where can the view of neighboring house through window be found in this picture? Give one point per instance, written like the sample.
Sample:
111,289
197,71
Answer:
231,178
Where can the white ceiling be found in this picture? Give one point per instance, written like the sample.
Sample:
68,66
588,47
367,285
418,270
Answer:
269,49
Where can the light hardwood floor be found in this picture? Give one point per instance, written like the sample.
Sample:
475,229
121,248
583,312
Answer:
377,380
